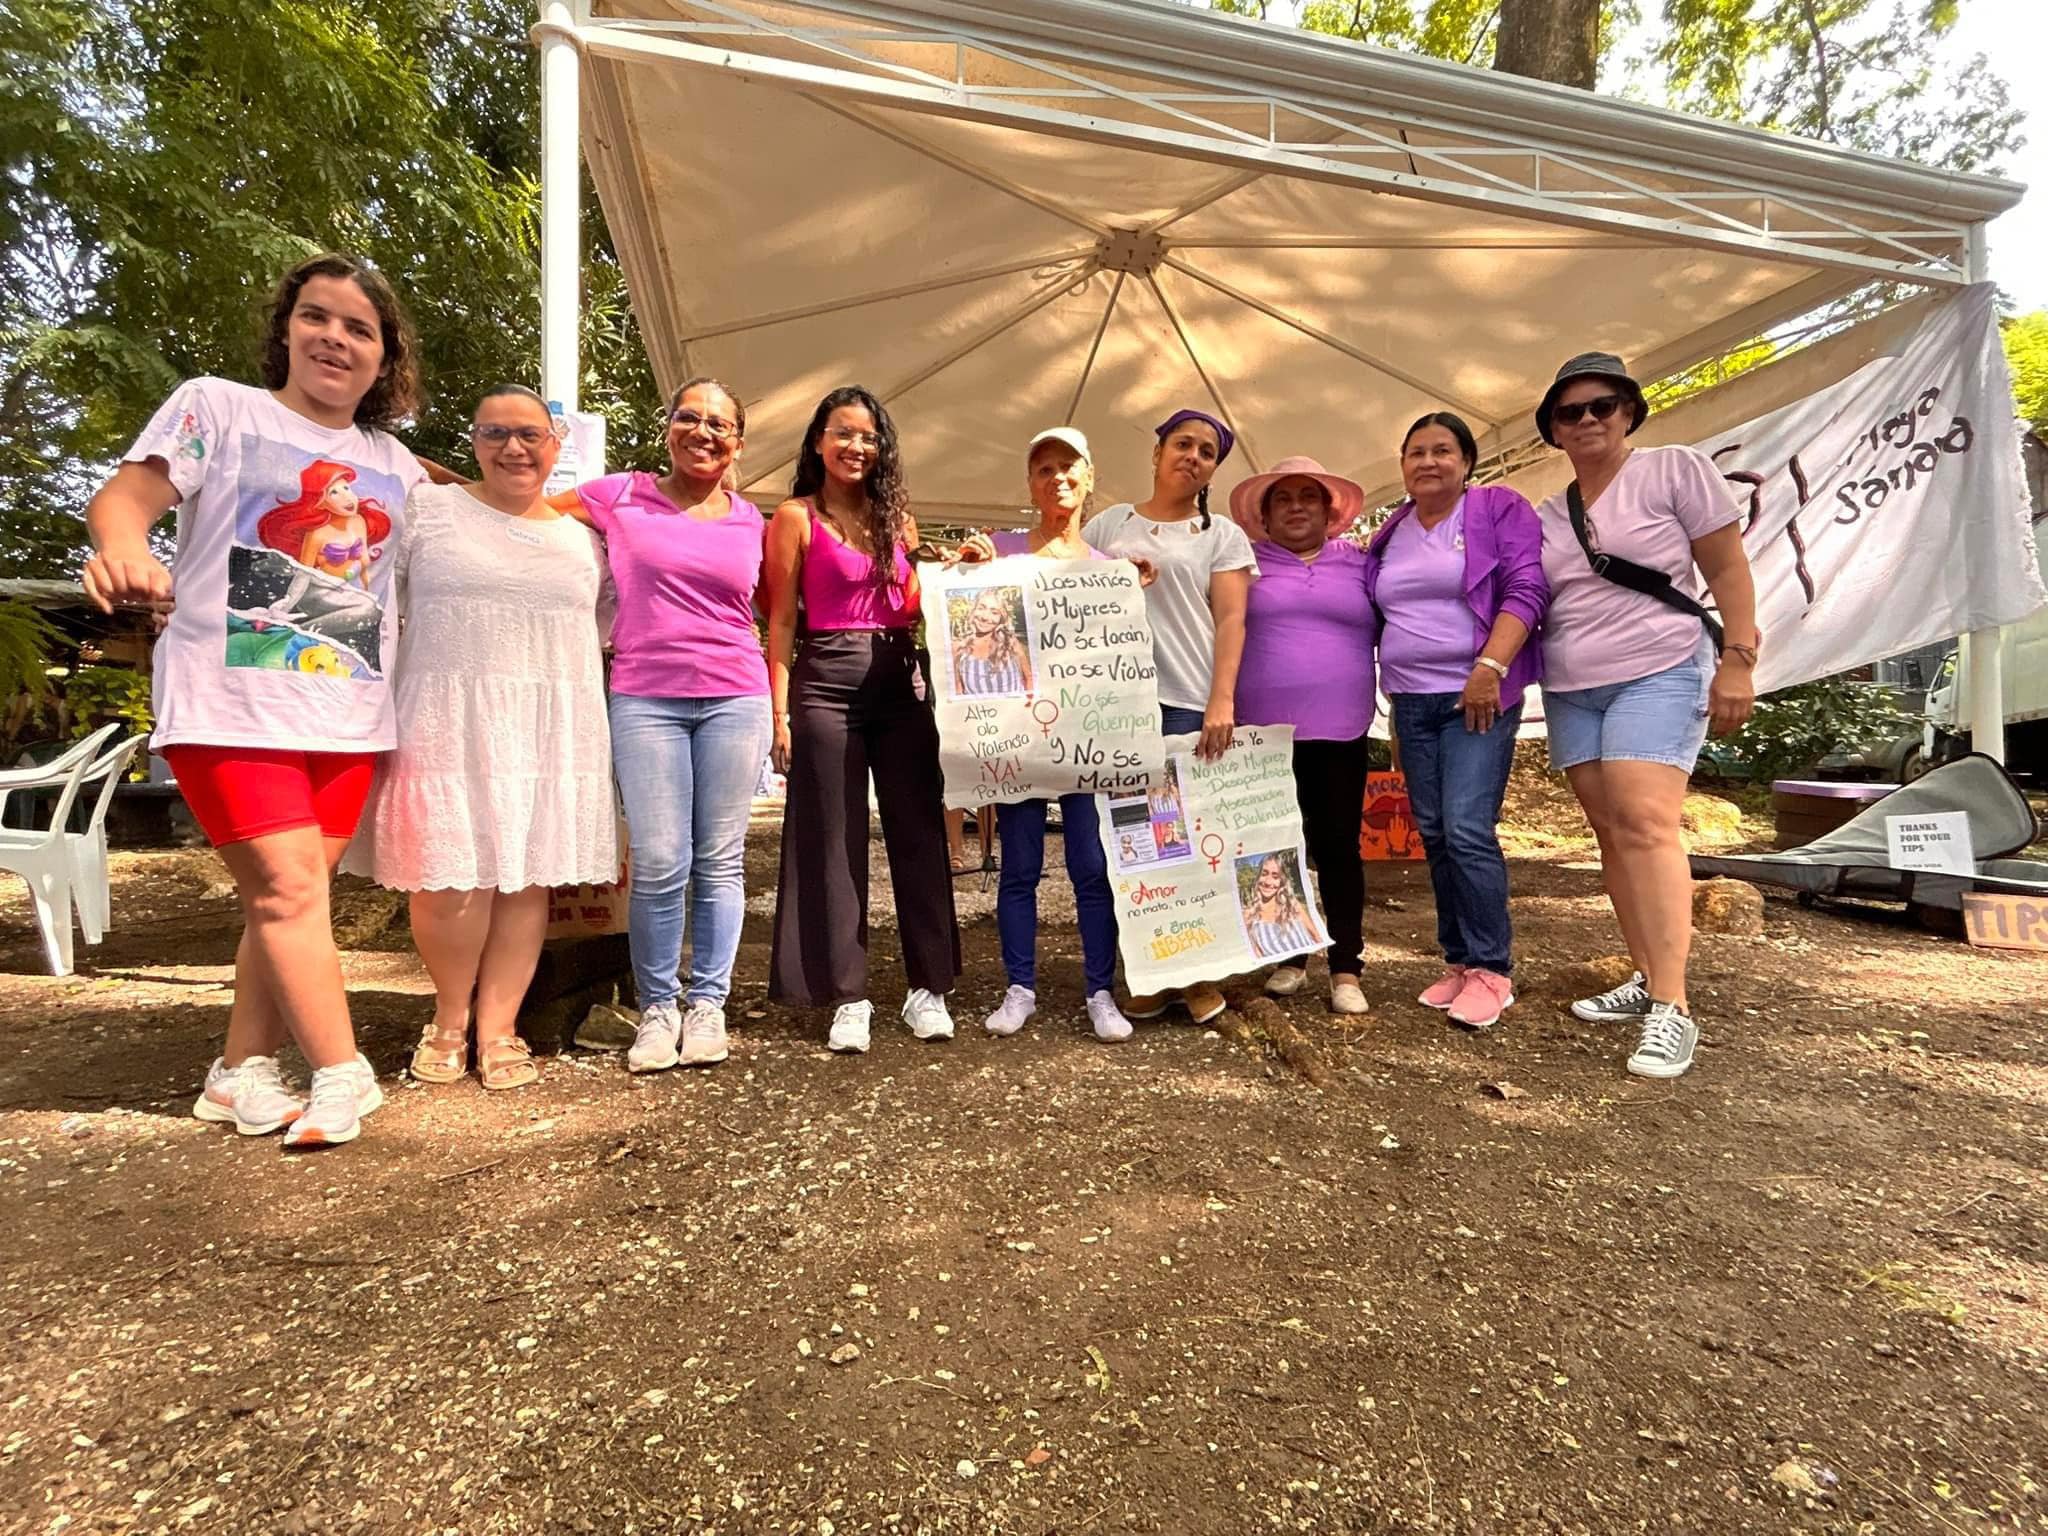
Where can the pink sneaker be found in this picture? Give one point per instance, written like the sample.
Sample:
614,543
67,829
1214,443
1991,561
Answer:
1482,998
1445,989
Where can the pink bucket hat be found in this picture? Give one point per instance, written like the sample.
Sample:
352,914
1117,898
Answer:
1347,497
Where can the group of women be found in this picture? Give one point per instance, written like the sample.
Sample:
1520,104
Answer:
409,682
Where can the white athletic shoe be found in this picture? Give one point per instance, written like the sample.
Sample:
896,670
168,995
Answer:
925,1013
340,1098
1018,1004
850,1026
703,1035
252,1097
1108,1019
654,1042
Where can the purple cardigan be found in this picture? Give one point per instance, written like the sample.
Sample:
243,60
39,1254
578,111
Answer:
1503,573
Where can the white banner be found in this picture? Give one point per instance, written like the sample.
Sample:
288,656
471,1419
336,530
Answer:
1044,678
1210,873
1885,511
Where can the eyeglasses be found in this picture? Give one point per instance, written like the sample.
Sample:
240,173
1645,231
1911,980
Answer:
847,437
492,435
1600,408
689,422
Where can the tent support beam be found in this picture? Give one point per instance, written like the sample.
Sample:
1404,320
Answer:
1235,421
1336,344
1095,346
1983,650
884,295
561,190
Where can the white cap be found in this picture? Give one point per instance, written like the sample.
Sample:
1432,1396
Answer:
1071,436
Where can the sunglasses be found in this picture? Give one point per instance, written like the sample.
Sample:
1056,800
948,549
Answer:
1599,409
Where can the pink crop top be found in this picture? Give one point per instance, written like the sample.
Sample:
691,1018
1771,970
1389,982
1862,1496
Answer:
839,586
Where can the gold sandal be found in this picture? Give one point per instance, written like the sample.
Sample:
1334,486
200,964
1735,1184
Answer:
441,1058
506,1062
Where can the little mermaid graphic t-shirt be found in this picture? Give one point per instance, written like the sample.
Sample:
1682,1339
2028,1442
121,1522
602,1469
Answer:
283,631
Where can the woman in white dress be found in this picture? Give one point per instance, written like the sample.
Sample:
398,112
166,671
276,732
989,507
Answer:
501,785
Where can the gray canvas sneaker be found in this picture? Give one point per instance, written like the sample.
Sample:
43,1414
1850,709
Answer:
1666,1046
1630,1000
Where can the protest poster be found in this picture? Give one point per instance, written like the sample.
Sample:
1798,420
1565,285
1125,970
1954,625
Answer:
1042,678
1210,873
1386,823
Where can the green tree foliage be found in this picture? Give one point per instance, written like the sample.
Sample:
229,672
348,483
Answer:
166,159
2026,355
1858,72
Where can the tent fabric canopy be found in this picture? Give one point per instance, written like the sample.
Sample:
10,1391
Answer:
1005,217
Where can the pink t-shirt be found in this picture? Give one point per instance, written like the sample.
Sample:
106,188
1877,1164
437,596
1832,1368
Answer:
1596,632
1425,622
685,627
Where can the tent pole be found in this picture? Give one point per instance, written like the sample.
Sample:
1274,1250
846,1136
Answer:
1983,657
561,189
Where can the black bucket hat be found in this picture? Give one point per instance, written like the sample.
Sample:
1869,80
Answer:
1593,365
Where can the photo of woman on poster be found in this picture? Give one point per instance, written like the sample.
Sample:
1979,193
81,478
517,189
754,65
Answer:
991,658
1277,919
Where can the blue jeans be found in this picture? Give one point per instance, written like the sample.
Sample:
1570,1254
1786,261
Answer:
687,769
1022,828
1179,720
1456,780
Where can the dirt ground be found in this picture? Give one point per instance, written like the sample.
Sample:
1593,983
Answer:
1041,1285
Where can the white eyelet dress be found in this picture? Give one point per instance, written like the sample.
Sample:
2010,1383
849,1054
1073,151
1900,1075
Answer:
502,778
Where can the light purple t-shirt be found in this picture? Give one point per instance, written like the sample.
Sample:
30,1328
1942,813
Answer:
1308,644
1597,632
685,627
1425,622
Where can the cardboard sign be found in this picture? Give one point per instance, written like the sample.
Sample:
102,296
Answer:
1043,679
584,911
1386,827
2007,922
1210,873
1938,842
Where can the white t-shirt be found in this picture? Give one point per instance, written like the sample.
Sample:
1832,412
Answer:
283,633
1185,555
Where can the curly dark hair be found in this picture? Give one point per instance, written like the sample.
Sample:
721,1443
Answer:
888,505
395,397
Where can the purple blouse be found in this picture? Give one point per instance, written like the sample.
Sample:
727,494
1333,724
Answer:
1308,637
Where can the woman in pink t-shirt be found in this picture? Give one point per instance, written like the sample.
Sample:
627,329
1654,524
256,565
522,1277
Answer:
688,713
1631,685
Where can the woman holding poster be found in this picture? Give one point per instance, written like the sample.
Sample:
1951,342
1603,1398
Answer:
1061,477
1456,582
1631,683
852,698
1195,603
1308,663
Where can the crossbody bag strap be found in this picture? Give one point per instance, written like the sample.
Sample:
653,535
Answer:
1637,578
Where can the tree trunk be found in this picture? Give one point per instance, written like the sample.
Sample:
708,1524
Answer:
1555,40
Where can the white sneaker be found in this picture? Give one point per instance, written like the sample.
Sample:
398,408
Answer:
703,1035
925,1013
1018,1004
1109,1021
654,1042
1286,980
850,1026
252,1097
340,1098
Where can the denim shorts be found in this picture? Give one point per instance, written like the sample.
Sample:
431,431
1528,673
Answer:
1661,718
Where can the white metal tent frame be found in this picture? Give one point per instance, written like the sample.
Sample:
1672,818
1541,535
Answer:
1585,171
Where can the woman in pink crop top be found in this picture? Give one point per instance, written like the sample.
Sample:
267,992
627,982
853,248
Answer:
850,699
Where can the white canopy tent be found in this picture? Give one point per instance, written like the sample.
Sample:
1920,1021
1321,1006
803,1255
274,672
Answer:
1001,216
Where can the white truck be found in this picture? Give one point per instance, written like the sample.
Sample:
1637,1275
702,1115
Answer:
1946,733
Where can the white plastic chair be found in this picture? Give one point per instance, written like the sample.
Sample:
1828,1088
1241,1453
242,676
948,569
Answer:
43,859
91,890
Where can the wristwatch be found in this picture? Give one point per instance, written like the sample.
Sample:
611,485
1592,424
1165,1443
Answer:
1499,667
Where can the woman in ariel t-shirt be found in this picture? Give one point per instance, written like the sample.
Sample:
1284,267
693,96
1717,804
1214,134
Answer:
270,688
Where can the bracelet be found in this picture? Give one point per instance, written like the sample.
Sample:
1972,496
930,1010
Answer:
1746,652
1499,667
